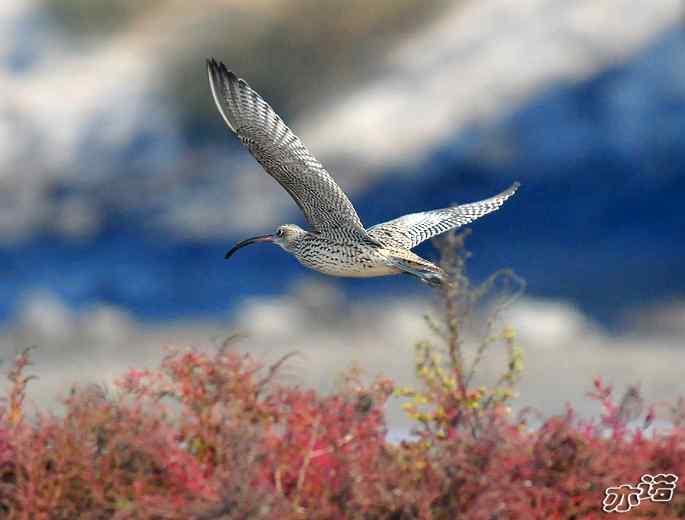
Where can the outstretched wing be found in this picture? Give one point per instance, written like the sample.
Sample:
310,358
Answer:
280,152
410,230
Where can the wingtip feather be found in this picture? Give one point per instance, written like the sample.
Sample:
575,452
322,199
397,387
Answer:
510,190
218,68
220,76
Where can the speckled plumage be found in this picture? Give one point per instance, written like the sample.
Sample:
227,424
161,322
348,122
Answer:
338,244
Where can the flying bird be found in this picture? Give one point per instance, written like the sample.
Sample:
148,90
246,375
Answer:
337,243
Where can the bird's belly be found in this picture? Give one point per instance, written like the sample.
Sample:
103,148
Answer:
350,267
358,272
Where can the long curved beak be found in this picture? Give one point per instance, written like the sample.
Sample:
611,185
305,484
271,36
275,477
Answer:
247,242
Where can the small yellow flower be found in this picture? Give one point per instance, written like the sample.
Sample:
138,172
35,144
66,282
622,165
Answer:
404,391
421,399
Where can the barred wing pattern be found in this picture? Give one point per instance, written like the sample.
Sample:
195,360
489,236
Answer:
281,153
410,230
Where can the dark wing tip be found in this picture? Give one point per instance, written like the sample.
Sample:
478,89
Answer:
217,68
221,83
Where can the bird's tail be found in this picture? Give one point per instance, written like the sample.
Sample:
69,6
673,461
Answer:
424,270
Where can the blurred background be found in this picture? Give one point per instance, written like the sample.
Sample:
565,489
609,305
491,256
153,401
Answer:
121,189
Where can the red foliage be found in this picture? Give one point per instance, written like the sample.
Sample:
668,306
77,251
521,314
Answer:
210,435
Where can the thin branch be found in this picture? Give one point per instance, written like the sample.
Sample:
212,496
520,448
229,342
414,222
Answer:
273,369
307,458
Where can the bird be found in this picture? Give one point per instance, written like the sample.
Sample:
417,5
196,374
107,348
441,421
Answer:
336,242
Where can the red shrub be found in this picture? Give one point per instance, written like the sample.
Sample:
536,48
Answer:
208,436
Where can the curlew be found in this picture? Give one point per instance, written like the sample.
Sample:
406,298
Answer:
337,243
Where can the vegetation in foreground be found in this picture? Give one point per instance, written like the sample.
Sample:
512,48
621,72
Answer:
211,435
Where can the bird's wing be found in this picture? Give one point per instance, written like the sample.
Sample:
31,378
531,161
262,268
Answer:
281,153
410,230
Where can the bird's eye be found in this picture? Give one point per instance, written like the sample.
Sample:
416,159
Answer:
280,233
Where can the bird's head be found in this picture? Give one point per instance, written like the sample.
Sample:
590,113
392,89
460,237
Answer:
285,236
